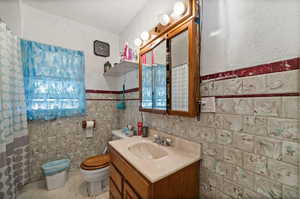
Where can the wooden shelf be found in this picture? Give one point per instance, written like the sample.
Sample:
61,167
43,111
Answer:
122,68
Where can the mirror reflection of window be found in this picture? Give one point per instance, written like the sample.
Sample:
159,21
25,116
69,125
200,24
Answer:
147,80
159,77
154,71
180,72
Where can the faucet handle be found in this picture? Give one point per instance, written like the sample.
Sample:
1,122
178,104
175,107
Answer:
168,141
156,138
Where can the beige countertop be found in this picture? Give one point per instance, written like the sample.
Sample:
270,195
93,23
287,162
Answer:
179,155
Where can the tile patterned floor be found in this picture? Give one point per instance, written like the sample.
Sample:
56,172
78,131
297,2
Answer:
75,188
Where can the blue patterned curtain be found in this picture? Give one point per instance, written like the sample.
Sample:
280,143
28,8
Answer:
14,149
54,81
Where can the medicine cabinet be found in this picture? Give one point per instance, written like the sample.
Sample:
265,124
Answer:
169,71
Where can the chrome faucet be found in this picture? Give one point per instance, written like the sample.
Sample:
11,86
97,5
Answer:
162,140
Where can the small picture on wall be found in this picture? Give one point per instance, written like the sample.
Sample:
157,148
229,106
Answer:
101,48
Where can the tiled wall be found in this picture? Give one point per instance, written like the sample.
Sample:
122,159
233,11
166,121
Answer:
65,138
250,145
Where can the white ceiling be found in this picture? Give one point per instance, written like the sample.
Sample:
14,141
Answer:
111,15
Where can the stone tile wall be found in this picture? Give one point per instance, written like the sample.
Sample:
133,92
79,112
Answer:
65,138
250,145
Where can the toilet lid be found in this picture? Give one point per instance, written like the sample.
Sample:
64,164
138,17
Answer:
95,162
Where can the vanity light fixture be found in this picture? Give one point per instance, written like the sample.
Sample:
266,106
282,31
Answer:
138,42
164,19
145,36
178,9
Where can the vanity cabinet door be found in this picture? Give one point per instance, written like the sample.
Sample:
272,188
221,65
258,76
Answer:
116,177
113,191
184,71
129,193
131,175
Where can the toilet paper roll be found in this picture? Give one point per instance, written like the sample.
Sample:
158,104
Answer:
90,124
89,133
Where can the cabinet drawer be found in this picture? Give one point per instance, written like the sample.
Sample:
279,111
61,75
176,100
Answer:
114,192
135,179
116,177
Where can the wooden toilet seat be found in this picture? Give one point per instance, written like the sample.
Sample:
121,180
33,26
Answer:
95,162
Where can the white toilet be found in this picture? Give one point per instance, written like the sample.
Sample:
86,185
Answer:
96,170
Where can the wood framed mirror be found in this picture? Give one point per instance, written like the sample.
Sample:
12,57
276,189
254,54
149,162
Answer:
184,70
169,74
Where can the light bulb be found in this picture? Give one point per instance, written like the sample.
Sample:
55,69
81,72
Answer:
164,20
145,36
174,15
138,42
178,9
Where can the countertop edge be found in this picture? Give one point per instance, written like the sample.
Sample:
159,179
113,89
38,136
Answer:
171,171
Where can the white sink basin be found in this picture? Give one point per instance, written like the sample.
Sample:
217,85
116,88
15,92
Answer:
147,150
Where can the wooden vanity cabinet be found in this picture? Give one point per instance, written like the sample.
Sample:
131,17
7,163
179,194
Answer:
128,183
129,193
114,192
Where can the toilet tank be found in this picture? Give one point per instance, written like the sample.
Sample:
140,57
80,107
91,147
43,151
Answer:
118,134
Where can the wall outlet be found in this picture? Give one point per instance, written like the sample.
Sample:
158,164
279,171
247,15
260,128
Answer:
208,104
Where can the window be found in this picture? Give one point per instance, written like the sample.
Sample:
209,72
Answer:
53,80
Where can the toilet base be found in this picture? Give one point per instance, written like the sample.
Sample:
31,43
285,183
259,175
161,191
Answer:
98,187
96,180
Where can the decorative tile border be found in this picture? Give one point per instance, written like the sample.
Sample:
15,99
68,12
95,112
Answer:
101,91
280,66
130,90
130,99
111,92
258,95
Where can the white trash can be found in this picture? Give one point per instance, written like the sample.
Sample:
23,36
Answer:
56,173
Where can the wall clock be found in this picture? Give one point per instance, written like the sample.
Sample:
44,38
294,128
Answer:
101,48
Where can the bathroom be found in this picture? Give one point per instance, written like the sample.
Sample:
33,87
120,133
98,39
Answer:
237,138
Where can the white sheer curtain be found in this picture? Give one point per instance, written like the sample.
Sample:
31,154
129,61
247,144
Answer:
14,150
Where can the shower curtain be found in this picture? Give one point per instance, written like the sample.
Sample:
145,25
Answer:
14,149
